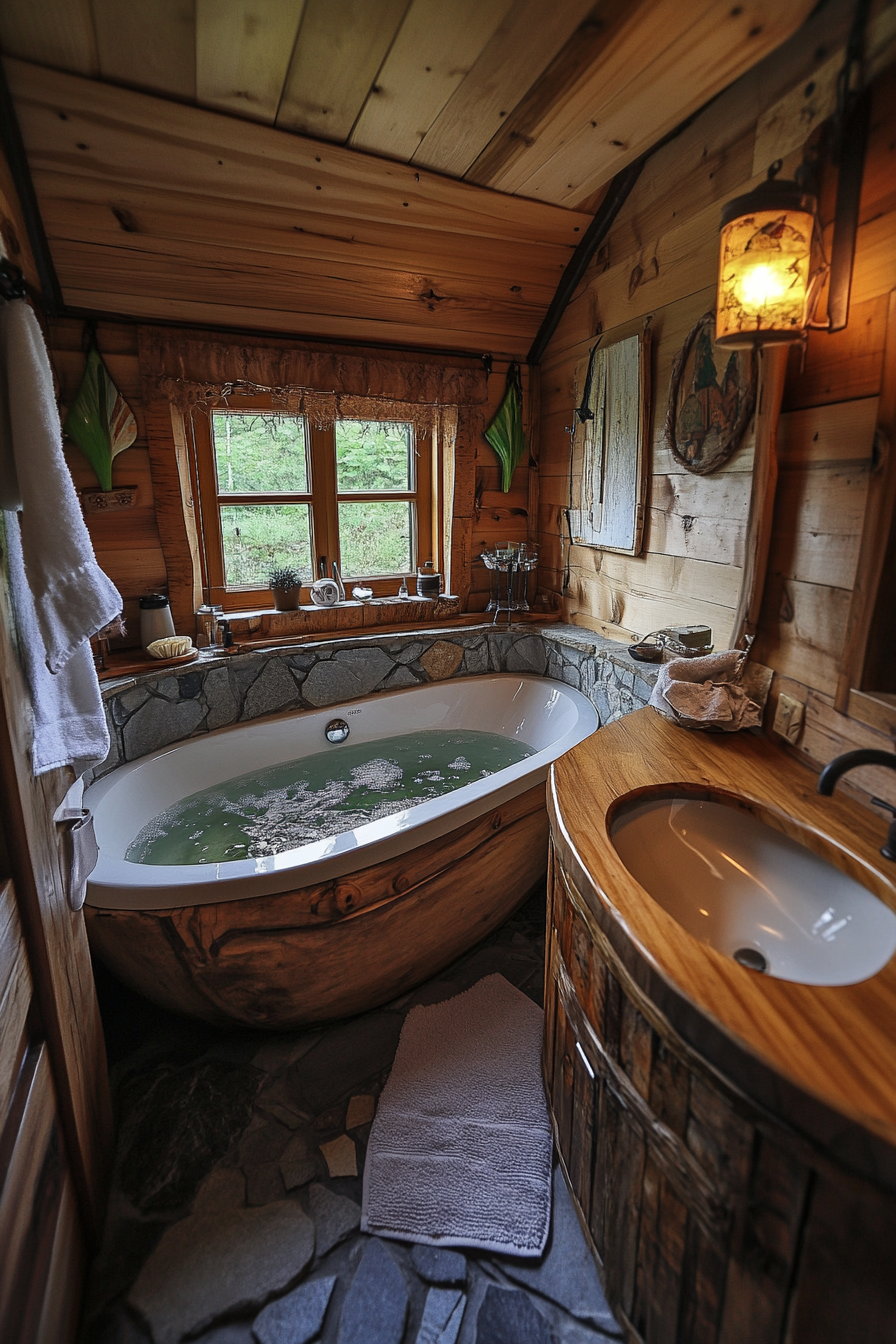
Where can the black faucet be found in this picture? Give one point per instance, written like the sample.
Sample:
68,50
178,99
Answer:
850,760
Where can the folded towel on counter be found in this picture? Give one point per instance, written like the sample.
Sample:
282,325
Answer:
73,598
69,722
706,693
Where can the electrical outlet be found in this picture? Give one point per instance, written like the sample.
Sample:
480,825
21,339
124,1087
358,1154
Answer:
789,717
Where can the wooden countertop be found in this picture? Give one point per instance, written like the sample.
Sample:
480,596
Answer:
820,1059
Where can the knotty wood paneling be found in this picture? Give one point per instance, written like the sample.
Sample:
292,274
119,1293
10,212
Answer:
343,44
524,44
243,53
15,994
328,260
432,52
151,45
544,100
659,264
127,543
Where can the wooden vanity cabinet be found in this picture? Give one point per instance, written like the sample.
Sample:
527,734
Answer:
709,1220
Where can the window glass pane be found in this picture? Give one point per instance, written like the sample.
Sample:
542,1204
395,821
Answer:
375,538
261,537
372,455
260,452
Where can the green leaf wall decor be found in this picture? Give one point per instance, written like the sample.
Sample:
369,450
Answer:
99,420
505,432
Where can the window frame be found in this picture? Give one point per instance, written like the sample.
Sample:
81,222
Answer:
323,500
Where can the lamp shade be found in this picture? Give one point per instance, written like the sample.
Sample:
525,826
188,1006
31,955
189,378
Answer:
765,266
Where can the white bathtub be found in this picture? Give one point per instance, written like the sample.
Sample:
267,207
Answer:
544,714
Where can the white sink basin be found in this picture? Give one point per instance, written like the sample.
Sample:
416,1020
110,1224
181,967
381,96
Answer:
754,894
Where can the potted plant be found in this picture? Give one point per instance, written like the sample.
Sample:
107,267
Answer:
286,585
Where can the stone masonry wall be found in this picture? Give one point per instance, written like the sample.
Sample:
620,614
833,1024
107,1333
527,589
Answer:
154,710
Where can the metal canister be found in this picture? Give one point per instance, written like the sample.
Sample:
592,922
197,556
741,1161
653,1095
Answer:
429,583
155,618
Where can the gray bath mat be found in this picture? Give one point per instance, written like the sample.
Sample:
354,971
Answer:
460,1150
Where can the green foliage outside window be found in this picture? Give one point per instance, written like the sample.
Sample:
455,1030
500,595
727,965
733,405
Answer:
268,454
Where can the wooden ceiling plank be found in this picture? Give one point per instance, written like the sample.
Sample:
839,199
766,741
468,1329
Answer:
558,84
341,46
660,67
347,286
524,44
438,42
57,32
150,45
243,51
271,303
68,210
132,139
296,322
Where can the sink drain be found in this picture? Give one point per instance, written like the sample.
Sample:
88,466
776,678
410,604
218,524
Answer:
751,958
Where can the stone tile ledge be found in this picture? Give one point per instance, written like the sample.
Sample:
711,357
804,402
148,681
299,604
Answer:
155,709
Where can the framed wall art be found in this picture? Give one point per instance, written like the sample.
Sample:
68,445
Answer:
608,468
712,396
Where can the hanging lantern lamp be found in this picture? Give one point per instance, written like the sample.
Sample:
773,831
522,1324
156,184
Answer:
767,280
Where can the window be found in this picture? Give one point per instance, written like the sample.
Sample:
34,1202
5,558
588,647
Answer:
274,491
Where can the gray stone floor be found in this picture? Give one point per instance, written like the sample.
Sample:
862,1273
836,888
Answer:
236,1198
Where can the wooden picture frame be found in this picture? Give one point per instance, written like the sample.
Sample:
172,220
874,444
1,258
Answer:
712,397
609,462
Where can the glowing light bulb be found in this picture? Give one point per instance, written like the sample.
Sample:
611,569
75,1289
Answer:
761,286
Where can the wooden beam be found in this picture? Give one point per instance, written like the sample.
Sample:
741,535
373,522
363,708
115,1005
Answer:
617,194
772,374
17,161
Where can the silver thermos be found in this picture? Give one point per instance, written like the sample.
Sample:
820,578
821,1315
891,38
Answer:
155,619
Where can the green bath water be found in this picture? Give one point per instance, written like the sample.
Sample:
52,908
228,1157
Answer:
283,806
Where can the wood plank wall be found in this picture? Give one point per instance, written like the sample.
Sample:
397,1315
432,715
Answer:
659,265
127,543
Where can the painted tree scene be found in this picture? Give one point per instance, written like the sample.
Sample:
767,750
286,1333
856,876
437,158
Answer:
711,400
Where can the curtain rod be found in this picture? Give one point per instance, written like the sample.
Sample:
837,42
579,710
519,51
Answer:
178,324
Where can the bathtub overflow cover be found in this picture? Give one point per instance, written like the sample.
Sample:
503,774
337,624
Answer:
337,730
751,958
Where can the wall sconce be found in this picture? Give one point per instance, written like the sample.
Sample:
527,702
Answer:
769,269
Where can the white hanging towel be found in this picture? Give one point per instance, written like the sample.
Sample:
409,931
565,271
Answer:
60,595
73,598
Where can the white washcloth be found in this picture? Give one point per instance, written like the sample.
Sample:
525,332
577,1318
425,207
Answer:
73,598
460,1150
706,693
69,723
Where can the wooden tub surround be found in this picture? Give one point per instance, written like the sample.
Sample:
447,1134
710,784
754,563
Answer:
730,1139
335,948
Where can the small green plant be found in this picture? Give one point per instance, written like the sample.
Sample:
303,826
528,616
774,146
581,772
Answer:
285,578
